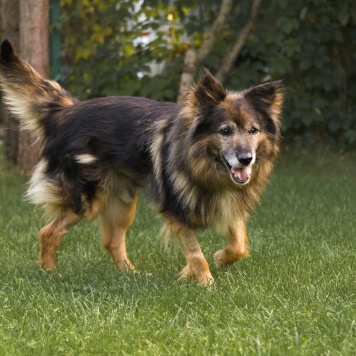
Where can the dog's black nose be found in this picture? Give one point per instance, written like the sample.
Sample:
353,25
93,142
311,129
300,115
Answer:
245,158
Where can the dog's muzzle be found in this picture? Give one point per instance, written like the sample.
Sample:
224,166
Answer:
240,167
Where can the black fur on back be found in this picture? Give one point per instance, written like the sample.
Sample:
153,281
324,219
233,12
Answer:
117,131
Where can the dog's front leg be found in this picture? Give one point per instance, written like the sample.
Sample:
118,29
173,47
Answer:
197,265
237,246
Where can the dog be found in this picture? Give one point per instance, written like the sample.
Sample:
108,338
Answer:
203,162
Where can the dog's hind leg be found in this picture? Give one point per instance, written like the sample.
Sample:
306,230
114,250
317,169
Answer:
197,266
236,248
51,236
116,217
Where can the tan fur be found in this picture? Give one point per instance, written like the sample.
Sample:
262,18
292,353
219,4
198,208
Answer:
236,248
116,217
22,83
51,236
197,265
192,178
115,203
227,208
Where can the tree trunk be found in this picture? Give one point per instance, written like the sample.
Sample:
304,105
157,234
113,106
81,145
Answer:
189,69
9,18
34,49
193,58
230,58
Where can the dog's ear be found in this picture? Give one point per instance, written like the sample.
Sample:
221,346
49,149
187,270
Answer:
267,98
209,91
7,51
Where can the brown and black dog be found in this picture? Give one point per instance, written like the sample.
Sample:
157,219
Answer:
204,162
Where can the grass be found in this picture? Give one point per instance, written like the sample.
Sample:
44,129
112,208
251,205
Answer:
294,296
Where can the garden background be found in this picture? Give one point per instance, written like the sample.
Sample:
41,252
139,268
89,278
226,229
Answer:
296,294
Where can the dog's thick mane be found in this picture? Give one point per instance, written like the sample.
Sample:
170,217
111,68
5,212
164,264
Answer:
205,199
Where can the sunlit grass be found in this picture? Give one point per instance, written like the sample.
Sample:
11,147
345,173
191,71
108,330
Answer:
295,295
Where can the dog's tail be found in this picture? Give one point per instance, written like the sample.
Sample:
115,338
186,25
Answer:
28,96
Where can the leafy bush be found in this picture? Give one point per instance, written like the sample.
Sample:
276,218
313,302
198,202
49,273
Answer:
103,54
310,44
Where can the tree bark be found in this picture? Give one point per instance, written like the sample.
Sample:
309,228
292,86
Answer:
230,58
9,16
34,49
193,58
213,33
189,69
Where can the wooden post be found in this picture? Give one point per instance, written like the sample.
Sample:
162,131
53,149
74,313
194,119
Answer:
9,16
34,49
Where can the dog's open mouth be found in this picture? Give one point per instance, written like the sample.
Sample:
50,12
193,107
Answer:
240,175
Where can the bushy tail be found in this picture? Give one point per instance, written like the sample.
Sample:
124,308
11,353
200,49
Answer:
27,95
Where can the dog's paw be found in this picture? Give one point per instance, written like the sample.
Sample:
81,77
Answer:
126,266
203,278
220,258
47,266
227,257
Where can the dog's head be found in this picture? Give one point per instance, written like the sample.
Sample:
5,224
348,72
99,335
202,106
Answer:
238,130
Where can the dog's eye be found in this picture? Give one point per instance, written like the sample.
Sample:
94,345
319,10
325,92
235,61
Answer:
226,131
253,131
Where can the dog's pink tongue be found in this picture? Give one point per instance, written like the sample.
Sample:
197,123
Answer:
243,173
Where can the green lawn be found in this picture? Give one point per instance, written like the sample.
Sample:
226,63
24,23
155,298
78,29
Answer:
295,295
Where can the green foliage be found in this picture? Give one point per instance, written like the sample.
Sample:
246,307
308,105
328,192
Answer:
325,71
310,44
103,54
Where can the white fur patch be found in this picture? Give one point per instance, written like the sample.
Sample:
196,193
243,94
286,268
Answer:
21,107
41,190
85,158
